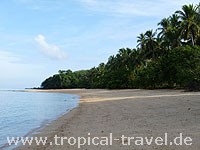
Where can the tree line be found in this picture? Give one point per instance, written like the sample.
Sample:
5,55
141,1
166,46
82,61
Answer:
168,57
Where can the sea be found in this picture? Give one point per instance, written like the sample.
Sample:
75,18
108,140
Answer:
22,113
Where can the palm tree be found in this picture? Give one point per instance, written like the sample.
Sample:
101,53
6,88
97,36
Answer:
141,41
124,58
198,20
170,31
160,47
164,27
150,44
136,58
189,25
175,31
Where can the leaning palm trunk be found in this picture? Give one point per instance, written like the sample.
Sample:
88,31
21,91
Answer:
192,38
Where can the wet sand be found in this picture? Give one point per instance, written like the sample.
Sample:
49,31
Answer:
132,113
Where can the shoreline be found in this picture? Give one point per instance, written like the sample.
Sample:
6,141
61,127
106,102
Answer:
101,112
37,129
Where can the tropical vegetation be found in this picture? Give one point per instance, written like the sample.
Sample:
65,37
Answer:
168,57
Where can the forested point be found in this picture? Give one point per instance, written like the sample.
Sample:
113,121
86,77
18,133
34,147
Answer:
168,57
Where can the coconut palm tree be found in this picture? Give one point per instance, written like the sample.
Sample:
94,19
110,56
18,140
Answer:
141,41
164,27
189,22
175,31
164,30
170,31
198,20
150,44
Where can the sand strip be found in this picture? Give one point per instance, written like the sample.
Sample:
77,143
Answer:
132,113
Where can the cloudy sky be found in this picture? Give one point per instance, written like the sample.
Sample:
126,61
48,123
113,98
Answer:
40,37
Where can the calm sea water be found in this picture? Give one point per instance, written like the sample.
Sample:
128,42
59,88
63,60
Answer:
22,112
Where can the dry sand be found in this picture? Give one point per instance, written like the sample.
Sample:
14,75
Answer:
132,113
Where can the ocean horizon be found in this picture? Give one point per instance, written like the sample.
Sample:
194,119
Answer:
22,113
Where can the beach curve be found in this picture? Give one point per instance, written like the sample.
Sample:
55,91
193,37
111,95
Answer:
126,112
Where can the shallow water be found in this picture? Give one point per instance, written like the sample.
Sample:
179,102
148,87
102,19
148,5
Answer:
22,112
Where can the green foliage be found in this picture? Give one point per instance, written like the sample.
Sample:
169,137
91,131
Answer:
167,58
177,68
148,76
180,65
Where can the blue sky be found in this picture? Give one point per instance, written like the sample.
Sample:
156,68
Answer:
40,37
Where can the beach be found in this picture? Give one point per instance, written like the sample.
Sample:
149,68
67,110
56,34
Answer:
132,113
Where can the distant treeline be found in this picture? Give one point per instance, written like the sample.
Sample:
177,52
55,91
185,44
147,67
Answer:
168,57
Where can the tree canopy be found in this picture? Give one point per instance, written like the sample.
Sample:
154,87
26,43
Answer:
168,57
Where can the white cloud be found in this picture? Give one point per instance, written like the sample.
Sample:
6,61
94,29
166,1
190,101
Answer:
136,8
52,51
